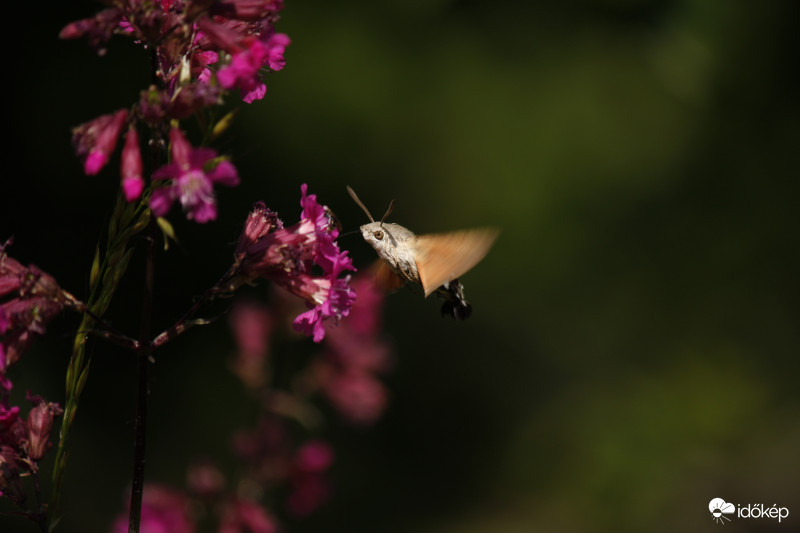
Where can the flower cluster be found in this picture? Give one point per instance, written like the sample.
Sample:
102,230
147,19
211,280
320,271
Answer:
169,509
252,326
274,461
354,356
23,443
202,48
163,509
346,371
30,298
290,256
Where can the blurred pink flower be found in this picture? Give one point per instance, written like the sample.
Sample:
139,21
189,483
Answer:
265,450
35,299
355,354
314,456
204,480
164,510
131,166
308,486
243,516
252,326
192,180
358,396
95,141
97,29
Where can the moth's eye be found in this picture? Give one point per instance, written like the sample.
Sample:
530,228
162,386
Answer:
378,234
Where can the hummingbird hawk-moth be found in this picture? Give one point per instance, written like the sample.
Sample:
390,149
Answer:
433,262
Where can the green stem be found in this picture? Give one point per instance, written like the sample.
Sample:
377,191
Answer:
126,221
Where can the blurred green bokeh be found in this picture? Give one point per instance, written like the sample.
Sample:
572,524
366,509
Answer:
634,347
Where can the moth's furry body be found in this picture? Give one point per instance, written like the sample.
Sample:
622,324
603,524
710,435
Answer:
395,248
398,250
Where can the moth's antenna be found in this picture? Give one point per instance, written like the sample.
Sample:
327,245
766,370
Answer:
361,205
388,211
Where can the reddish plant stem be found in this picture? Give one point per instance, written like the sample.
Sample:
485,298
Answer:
143,355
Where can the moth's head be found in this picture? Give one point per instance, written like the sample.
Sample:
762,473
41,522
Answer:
380,235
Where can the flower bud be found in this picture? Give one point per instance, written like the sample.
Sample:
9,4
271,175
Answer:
98,29
39,423
205,480
180,148
260,222
94,141
131,166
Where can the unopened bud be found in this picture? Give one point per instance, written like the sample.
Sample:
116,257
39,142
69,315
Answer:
131,166
40,422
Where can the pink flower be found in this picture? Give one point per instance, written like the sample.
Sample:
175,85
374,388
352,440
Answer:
252,327
288,256
358,396
192,180
35,299
9,416
309,488
97,29
330,299
260,221
314,456
200,62
164,510
205,480
265,448
95,141
356,344
131,171
247,62
243,516
355,355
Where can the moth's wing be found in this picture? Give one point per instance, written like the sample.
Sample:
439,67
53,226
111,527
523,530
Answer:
384,277
442,257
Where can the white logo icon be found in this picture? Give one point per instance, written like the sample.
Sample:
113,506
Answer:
719,508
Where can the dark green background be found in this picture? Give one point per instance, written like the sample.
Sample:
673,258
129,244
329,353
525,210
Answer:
634,347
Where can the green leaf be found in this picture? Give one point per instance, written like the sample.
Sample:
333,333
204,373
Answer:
95,271
223,124
167,230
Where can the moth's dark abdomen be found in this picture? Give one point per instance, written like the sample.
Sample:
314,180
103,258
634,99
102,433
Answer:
455,305
460,310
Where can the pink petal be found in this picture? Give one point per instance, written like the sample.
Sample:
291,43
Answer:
132,187
161,200
95,162
224,174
